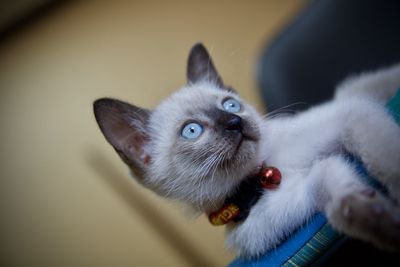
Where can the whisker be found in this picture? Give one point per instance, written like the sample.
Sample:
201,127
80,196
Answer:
280,114
291,105
283,111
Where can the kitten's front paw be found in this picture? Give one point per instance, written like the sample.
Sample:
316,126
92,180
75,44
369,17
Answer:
245,241
371,217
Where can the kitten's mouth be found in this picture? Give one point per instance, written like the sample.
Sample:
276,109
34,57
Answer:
239,144
245,137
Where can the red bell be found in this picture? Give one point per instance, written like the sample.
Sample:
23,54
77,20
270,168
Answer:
270,177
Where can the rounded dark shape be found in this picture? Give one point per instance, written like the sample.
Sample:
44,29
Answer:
234,123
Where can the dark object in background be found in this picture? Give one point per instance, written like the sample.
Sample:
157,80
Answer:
328,41
16,15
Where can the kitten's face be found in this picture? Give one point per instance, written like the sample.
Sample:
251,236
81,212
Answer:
204,140
196,146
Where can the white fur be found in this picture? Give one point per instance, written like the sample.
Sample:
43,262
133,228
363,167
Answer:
307,149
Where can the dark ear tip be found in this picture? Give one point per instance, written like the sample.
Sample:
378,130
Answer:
198,48
102,101
101,104
107,103
104,106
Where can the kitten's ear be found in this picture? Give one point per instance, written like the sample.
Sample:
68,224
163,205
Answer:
200,66
125,128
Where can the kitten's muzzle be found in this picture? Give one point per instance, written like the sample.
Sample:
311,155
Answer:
234,123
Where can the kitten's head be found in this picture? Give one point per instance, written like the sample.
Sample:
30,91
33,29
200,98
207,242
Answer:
196,146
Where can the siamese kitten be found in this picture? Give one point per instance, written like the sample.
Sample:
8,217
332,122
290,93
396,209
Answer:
200,143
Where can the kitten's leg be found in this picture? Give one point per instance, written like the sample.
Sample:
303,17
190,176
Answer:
277,213
371,134
353,208
380,85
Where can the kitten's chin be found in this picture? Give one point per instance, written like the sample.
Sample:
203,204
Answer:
218,188
245,153
231,173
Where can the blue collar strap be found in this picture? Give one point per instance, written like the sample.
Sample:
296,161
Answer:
305,246
317,239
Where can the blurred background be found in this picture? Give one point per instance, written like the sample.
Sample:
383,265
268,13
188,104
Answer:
66,198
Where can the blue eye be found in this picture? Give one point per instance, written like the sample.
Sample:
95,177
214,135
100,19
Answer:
231,105
192,130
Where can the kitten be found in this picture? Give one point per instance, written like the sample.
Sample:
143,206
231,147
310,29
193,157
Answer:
200,143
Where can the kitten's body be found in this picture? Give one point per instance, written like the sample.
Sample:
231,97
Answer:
307,148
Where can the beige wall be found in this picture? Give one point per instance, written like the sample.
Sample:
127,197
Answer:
66,199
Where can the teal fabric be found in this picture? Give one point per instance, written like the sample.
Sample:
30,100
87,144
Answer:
305,245
394,107
317,246
312,241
